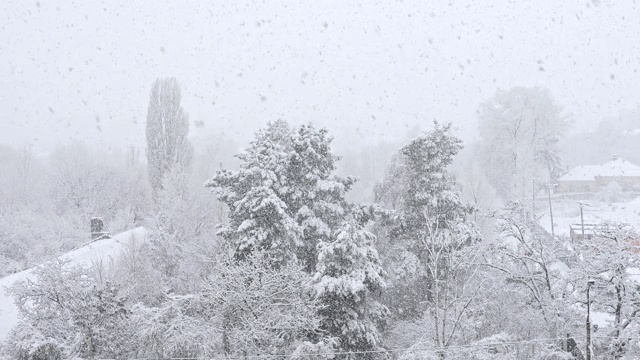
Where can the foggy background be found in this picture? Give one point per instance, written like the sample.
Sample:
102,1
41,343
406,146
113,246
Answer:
170,188
367,71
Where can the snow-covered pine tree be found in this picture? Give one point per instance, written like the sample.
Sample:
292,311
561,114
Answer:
420,190
426,203
316,197
259,216
432,197
286,204
429,242
348,274
284,199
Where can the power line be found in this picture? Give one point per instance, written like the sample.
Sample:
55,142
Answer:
384,351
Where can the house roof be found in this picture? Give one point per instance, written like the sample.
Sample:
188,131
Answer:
581,173
616,167
93,252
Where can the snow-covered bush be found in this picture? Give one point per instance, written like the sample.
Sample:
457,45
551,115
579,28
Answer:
28,343
66,310
242,308
137,273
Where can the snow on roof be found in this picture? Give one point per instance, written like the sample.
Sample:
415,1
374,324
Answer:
581,173
616,167
86,255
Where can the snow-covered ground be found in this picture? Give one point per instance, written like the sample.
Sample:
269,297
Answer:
567,212
95,252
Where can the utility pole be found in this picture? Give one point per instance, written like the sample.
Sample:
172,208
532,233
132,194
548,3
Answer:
589,283
551,208
582,218
533,188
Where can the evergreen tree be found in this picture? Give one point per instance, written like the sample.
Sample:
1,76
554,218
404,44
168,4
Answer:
317,199
284,199
428,242
259,217
426,210
348,274
286,203
426,195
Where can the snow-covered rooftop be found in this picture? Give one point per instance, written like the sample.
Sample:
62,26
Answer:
86,255
581,173
616,167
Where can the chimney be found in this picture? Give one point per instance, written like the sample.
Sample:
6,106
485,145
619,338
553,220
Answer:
97,229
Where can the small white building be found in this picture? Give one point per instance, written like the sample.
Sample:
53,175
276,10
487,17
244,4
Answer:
591,178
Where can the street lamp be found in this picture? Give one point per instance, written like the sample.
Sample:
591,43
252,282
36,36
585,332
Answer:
589,283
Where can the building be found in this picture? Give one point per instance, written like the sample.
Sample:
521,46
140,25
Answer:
591,178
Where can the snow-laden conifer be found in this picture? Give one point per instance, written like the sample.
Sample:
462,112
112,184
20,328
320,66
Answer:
348,275
284,199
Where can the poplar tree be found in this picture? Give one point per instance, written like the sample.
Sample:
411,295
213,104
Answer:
167,130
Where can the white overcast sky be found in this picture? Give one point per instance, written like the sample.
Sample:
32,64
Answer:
84,69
